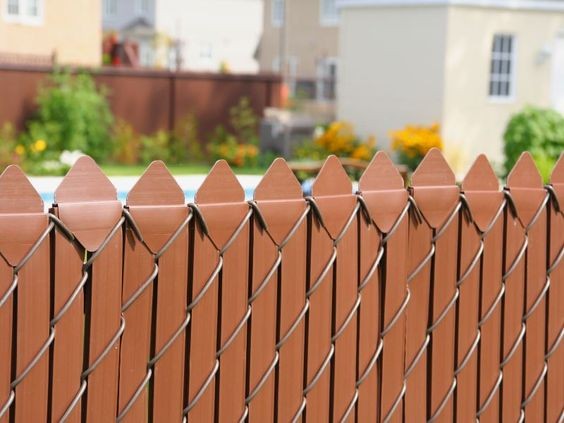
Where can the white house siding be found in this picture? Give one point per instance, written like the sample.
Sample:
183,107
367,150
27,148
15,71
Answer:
213,31
473,123
392,65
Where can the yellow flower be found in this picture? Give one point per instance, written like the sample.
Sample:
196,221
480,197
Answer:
20,150
40,145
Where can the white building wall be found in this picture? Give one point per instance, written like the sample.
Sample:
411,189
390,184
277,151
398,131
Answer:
472,122
213,31
392,67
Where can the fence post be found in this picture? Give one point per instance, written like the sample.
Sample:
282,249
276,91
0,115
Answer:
25,294
383,239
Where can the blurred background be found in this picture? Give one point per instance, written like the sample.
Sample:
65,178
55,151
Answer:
191,81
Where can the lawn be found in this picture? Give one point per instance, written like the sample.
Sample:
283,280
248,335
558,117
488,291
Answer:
184,169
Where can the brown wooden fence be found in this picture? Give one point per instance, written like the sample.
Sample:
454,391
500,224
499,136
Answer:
437,302
149,100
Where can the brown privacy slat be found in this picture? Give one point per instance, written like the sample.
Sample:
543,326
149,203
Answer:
225,214
480,248
555,303
526,189
87,205
157,209
526,196
386,199
21,227
331,329
68,345
436,194
279,200
379,306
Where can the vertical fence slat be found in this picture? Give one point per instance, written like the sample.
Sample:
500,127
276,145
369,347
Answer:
6,280
157,209
87,205
22,222
280,204
334,304
529,199
386,200
226,215
555,304
479,272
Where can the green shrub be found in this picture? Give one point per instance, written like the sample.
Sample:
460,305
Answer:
73,114
239,147
539,131
125,143
155,147
10,151
185,144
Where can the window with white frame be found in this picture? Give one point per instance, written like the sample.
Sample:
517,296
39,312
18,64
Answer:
329,12
142,7
110,7
326,79
278,7
502,67
24,11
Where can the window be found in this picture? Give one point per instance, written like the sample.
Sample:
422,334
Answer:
142,7
329,12
278,7
502,67
13,7
326,79
24,11
110,7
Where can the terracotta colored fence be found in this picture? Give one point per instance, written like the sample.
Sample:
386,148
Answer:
437,302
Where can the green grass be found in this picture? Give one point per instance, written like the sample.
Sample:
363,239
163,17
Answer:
184,169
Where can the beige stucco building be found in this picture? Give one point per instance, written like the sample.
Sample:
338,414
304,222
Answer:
467,64
69,30
304,35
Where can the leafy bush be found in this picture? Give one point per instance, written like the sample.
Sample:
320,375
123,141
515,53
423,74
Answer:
185,142
539,131
239,147
125,143
338,138
155,147
73,114
414,141
10,151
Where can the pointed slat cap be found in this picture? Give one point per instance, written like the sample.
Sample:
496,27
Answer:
17,195
382,188
434,188
151,202
87,203
220,186
332,190
482,192
85,181
22,217
279,198
222,203
156,187
526,188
